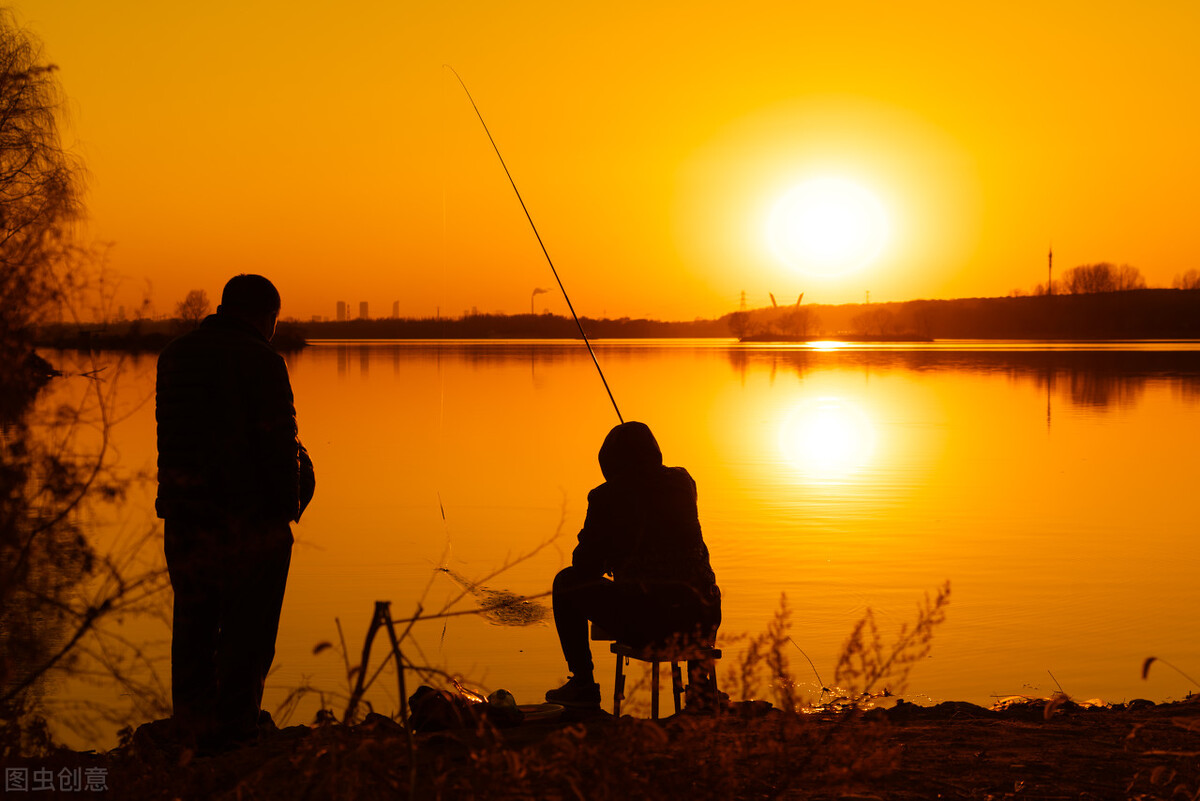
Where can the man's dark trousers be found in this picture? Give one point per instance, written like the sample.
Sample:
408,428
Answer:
229,578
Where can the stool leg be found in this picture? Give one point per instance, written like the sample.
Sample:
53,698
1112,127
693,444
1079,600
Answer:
619,688
654,690
705,670
676,684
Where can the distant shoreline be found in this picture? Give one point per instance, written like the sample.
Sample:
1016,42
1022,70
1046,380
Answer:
1146,314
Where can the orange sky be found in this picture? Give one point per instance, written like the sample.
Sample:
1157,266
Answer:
325,146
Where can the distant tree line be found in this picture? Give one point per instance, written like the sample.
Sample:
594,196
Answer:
193,308
1132,311
1131,314
1187,280
1088,279
511,326
1103,277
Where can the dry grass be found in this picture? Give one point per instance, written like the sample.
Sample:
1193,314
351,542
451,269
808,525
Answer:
753,749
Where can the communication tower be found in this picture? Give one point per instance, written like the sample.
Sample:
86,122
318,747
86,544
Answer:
1050,271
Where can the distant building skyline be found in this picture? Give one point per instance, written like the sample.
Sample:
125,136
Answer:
344,311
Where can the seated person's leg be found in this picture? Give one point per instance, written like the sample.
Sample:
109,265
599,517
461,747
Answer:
577,599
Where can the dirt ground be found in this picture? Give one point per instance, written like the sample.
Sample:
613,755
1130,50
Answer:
950,751
1146,751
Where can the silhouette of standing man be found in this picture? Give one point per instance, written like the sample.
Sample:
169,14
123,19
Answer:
232,476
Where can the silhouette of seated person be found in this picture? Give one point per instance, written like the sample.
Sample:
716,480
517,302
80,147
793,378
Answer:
642,529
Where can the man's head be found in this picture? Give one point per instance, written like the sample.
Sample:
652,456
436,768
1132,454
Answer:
254,299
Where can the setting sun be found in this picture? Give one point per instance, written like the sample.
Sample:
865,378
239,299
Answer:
827,226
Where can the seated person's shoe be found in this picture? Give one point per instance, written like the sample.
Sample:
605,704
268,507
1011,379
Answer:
576,693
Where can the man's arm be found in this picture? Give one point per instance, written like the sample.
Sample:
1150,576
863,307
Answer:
308,480
277,443
591,554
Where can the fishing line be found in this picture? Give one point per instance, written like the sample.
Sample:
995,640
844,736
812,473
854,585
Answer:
539,239
444,159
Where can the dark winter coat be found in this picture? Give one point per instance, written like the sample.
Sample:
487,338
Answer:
227,436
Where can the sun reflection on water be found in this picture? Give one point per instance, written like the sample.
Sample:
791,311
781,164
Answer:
827,439
827,344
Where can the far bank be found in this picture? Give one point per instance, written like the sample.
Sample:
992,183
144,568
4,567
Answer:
1133,314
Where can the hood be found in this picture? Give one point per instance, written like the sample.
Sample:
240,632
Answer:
629,452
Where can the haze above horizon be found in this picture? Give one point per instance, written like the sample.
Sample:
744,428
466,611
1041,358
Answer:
330,150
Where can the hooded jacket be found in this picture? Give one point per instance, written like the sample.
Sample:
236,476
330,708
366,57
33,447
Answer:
642,523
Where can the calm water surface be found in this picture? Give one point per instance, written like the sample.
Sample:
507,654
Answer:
1052,486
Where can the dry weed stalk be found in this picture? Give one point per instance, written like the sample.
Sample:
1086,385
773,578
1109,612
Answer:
358,682
752,753
1182,779
865,661
360,677
1150,660
836,752
765,654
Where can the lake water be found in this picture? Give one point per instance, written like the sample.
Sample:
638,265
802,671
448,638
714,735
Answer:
1052,485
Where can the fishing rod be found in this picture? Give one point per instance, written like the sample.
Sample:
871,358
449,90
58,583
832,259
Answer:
539,239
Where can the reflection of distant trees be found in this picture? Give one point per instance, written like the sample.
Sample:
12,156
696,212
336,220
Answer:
1101,379
1097,379
1188,391
473,353
1086,378
1098,389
